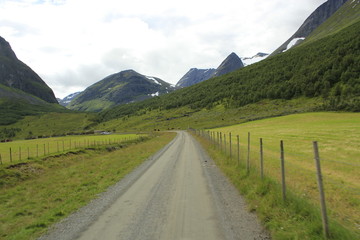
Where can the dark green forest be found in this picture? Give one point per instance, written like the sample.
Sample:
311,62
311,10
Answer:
327,69
12,110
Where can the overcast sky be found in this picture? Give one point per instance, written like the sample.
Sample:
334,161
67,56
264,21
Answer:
72,44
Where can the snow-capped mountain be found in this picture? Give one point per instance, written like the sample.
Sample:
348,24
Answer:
120,88
66,100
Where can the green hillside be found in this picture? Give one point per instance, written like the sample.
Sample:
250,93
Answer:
119,88
326,70
15,104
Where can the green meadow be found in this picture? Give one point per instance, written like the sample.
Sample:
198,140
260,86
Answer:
338,136
22,150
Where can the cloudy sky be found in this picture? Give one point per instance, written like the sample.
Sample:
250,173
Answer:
72,44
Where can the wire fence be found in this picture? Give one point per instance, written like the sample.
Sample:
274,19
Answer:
333,183
18,151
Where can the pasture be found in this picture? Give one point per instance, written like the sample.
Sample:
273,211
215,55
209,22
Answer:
338,136
21,150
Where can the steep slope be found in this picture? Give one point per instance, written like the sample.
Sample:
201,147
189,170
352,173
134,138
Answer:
17,75
320,15
347,15
194,76
230,64
120,88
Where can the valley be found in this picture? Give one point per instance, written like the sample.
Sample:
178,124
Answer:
142,133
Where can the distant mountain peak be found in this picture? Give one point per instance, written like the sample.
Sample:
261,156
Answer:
67,100
119,88
17,75
230,64
194,76
5,49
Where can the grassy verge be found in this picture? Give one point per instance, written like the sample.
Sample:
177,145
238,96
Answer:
297,218
45,191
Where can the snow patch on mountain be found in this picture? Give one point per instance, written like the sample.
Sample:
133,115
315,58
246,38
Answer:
254,59
294,42
155,94
153,79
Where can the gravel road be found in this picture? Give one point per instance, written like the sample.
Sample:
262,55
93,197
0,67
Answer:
177,194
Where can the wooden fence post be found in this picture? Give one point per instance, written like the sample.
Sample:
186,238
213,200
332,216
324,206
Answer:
230,146
282,157
10,155
248,155
238,149
225,142
220,141
44,149
321,191
28,150
261,159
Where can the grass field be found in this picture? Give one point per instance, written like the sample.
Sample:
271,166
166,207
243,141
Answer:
338,135
23,150
185,117
49,189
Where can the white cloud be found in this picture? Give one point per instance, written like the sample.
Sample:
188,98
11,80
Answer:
72,44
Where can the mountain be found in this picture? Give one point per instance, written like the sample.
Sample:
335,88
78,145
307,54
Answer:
325,71
194,76
320,15
254,59
66,100
230,64
345,16
120,88
15,74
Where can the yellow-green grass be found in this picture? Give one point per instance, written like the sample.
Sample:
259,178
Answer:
338,136
23,150
60,185
296,218
185,117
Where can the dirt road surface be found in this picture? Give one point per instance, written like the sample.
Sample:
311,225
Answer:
177,194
